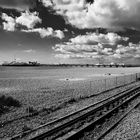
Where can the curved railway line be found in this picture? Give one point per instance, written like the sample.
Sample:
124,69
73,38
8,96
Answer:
31,114
79,124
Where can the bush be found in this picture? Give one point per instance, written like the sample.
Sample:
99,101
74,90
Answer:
9,101
3,109
72,100
2,99
12,102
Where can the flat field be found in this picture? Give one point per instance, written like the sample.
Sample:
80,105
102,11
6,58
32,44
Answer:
38,86
47,88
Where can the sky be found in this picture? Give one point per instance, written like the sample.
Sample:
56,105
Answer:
70,31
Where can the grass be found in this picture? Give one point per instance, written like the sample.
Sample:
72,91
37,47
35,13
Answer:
42,97
33,112
60,106
25,128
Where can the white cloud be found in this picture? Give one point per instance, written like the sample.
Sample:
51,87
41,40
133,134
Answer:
98,46
82,51
114,14
9,22
42,31
18,59
46,32
74,5
93,38
29,51
125,52
59,34
91,45
81,56
65,30
47,3
67,56
28,19
129,51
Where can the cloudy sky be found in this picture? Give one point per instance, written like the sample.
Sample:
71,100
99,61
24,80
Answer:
70,31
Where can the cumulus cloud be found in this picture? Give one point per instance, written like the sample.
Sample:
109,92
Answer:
108,46
82,51
114,14
46,32
59,34
9,22
93,38
129,51
28,19
47,3
78,56
76,48
91,43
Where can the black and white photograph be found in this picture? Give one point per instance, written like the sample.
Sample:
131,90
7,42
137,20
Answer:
69,69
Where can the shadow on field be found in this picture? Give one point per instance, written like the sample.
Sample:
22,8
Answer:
7,102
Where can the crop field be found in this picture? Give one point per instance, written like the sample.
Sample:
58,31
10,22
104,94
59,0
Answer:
41,88
44,87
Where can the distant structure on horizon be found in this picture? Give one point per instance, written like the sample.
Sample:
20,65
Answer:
15,63
35,63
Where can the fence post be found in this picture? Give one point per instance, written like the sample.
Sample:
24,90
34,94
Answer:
116,81
105,84
28,110
124,80
136,77
90,87
131,78
67,87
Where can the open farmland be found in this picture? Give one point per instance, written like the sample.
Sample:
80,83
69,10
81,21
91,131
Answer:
45,88
42,86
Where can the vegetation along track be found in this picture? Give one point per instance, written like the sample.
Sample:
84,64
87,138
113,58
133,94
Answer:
2,124
74,125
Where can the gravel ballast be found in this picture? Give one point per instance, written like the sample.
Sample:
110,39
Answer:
128,128
16,127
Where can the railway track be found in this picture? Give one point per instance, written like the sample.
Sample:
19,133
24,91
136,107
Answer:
2,124
100,127
74,126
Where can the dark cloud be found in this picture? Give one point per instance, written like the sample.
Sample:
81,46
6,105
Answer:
90,1
49,17
18,4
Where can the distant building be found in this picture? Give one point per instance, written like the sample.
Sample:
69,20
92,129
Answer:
15,63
